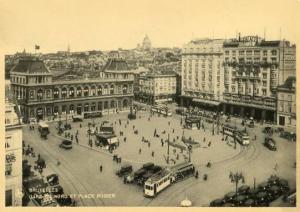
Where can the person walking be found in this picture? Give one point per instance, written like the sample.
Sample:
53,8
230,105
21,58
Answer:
140,151
276,167
101,168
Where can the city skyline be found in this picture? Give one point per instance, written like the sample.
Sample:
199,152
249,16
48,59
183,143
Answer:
111,25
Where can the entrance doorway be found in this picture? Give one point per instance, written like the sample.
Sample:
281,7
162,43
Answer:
40,113
79,110
281,120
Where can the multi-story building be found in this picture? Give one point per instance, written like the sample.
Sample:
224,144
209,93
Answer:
45,96
202,73
253,68
158,87
13,156
286,103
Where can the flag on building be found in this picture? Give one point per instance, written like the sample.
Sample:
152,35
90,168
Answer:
37,47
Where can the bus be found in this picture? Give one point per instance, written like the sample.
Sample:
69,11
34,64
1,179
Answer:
158,182
242,137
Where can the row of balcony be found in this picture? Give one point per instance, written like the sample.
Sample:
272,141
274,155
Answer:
250,63
269,103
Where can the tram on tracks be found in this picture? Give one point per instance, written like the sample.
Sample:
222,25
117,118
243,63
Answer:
165,177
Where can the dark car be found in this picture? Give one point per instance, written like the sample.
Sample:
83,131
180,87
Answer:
52,179
283,185
240,200
229,197
273,180
148,166
251,124
252,193
243,190
274,192
216,203
270,144
66,144
268,130
68,126
263,186
262,199
124,170
250,203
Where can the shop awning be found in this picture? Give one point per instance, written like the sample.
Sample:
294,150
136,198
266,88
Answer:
208,102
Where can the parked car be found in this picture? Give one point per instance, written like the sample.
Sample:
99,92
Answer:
268,130
270,143
124,170
263,186
229,197
66,144
250,203
216,203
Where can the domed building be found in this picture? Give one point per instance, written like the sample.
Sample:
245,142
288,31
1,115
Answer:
146,43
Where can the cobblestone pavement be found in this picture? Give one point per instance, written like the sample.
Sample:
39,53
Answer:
79,171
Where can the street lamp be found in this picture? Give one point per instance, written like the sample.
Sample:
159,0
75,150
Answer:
235,178
168,148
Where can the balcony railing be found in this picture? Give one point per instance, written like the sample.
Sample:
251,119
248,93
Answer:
244,100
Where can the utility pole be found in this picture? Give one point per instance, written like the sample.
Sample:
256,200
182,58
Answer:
235,178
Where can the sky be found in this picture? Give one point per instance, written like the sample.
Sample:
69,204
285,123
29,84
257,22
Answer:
111,24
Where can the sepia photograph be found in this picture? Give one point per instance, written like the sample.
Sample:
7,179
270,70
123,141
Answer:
149,103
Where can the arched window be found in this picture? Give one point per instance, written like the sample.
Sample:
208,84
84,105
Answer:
86,107
64,109
106,105
71,92
86,91
125,103
99,90
99,105
64,93
48,93
56,93
93,90
125,88
105,89
79,91
71,109
31,94
40,94
112,90
55,110
93,106
112,104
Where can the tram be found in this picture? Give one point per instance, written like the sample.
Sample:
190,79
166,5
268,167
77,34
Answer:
242,137
158,182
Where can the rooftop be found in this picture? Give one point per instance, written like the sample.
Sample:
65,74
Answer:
30,65
289,84
116,64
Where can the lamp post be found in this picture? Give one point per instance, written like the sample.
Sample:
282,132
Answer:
235,178
168,150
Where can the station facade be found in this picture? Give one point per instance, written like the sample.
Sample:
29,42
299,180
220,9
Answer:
44,96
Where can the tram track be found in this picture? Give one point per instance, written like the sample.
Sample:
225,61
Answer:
65,172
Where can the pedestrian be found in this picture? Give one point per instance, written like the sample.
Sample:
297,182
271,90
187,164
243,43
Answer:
169,123
80,125
101,168
149,144
275,167
209,143
152,153
255,137
140,151
173,130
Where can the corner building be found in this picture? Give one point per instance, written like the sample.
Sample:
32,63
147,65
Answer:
13,156
202,80
44,96
253,68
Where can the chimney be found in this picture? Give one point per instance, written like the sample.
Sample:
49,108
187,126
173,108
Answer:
239,37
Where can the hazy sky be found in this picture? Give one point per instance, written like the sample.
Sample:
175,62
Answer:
110,24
